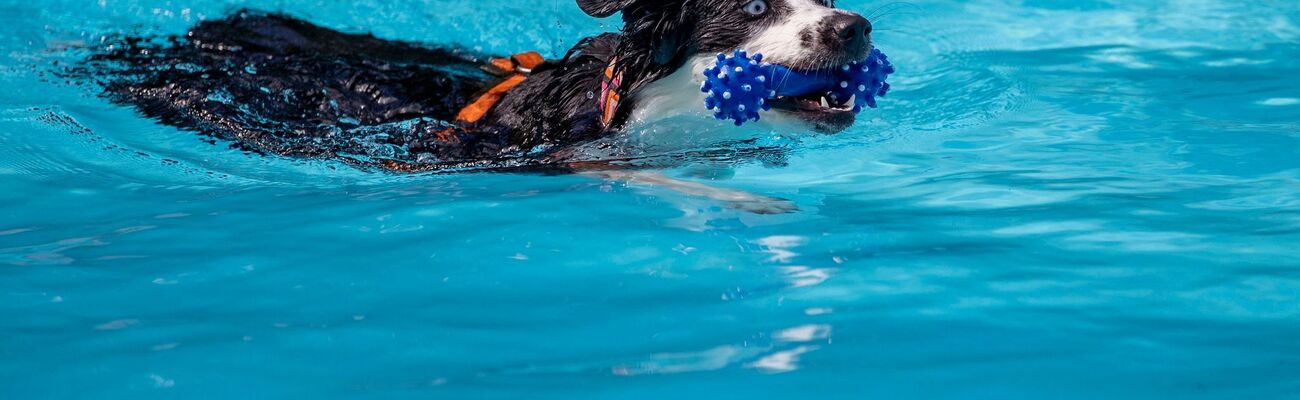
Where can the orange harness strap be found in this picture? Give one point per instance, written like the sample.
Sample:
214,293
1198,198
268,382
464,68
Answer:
518,66
611,92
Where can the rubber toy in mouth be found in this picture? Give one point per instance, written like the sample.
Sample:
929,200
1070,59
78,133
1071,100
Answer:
739,86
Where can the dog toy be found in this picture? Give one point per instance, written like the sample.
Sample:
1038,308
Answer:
740,85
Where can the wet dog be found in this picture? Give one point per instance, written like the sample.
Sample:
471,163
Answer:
271,83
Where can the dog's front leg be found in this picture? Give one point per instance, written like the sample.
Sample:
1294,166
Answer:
732,198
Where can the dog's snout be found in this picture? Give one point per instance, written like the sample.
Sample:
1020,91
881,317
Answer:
853,30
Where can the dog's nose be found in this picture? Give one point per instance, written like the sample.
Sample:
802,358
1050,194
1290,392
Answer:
853,30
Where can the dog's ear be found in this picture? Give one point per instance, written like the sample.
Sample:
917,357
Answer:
603,8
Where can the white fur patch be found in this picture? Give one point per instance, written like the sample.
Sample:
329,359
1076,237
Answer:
673,95
679,93
780,43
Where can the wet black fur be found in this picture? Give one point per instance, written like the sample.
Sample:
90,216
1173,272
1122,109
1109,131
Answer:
272,83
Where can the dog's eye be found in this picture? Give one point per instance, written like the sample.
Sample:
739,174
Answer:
756,7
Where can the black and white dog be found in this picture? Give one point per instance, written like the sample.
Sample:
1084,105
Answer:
271,83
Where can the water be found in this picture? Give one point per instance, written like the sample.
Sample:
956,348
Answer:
1061,199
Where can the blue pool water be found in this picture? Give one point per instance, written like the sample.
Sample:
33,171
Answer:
1069,199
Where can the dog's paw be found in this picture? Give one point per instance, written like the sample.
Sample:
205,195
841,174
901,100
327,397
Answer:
764,205
731,198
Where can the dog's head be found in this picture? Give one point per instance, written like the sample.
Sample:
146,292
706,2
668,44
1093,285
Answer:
682,36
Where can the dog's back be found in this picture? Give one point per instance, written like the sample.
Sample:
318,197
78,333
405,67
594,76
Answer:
271,83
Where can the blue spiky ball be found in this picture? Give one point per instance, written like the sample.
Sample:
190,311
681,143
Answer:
739,85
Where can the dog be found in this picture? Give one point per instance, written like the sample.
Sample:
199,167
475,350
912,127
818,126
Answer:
271,83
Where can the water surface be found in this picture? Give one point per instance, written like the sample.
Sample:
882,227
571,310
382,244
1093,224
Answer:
1060,199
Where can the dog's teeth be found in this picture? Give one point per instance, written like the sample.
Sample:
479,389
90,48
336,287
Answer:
844,106
825,104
